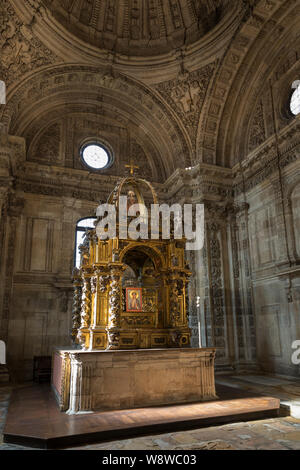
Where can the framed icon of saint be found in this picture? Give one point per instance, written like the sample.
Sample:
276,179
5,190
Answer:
133,299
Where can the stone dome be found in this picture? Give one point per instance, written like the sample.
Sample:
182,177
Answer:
139,27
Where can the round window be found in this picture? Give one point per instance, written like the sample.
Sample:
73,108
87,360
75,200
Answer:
95,156
295,99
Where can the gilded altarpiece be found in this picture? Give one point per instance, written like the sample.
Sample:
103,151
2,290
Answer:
155,267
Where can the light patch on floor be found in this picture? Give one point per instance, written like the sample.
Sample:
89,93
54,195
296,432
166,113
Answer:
271,434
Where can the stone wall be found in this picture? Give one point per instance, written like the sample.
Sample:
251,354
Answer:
271,179
207,124
244,293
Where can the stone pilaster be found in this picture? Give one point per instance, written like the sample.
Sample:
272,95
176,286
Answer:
245,310
290,232
80,384
12,156
217,292
236,289
15,207
283,256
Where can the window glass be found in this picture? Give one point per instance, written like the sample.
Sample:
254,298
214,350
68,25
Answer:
81,227
295,100
95,156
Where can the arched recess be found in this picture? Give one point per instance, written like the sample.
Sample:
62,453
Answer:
271,100
293,218
262,30
69,89
79,123
261,67
154,254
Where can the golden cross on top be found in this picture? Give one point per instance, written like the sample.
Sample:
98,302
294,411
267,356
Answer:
132,167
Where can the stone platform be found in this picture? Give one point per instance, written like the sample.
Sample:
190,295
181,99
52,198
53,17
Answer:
34,419
113,380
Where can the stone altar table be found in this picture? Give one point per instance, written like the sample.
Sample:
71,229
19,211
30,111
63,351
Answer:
122,379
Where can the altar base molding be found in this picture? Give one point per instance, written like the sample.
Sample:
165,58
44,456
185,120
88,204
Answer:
110,380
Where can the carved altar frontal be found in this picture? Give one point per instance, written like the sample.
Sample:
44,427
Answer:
123,379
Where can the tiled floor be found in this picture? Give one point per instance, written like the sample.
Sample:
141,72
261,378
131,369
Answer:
285,388
277,433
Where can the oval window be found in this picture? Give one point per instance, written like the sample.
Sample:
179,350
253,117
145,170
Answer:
95,156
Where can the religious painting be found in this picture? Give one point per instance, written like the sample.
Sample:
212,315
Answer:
131,199
133,299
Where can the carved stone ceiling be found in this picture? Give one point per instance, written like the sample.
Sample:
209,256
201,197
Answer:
139,27
185,108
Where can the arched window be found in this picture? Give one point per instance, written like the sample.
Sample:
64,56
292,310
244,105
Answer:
81,227
295,99
2,92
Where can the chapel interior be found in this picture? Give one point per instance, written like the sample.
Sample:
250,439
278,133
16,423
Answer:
198,101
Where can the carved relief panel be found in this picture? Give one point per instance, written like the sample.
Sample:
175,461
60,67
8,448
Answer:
46,147
295,206
21,51
186,95
262,232
268,320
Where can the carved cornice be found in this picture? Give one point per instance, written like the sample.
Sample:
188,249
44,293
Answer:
65,182
194,184
198,182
